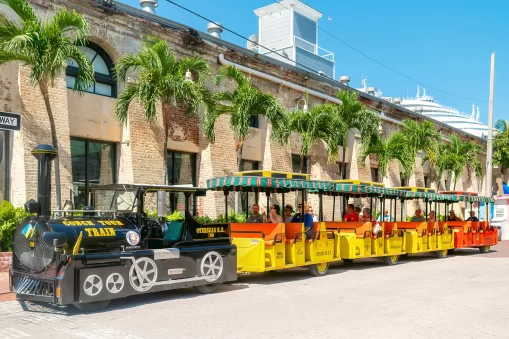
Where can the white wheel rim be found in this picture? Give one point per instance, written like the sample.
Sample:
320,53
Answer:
92,285
114,283
143,274
211,266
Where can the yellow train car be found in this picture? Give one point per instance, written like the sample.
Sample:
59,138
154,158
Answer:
263,247
425,236
366,239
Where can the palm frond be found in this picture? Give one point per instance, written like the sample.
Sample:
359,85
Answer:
22,8
198,66
123,102
85,77
10,30
6,57
70,24
233,72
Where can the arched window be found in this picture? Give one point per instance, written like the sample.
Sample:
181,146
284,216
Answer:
104,84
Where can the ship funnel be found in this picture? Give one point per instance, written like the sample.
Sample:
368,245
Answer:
45,155
371,90
149,6
345,79
215,29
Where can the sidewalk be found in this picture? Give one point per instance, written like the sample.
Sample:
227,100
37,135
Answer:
5,294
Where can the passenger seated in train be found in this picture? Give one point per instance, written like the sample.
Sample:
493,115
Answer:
256,217
366,215
472,217
308,222
350,214
453,217
358,211
288,214
385,217
432,216
310,211
418,217
275,214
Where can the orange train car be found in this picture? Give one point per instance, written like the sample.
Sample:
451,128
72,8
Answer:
471,233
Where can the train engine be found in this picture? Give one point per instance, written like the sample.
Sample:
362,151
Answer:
89,257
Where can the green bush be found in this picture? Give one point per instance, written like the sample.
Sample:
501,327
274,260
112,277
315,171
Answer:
10,217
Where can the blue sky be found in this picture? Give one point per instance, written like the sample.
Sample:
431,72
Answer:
445,44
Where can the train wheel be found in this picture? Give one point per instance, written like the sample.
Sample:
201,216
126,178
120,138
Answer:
319,270
93,306
347,261
484,249
391,260
442,254
206,289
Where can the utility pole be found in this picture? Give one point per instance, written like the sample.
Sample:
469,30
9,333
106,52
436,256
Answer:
489,153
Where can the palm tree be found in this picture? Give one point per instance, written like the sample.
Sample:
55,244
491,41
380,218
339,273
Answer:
422,136
322,123
456,155
46,46
386,150
501,145
244,103
355,115
162,79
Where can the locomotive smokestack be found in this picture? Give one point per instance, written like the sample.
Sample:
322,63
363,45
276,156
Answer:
44,154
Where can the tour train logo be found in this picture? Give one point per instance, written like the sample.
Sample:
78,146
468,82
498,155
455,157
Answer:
133,238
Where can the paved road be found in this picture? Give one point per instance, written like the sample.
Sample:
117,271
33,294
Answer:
465,295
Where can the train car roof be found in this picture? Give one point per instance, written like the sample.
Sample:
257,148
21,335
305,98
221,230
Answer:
149,187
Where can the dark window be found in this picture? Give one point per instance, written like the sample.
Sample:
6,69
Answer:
181,171
343,170
247,199
248,165
404,181
296,164
426,181
375,175
254,121
5,165
104,84
93,162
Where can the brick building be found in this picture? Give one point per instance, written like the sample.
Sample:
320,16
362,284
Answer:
94,148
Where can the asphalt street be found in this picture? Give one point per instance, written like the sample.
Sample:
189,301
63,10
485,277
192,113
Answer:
462,296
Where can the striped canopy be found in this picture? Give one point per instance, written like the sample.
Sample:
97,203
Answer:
256,184
283,185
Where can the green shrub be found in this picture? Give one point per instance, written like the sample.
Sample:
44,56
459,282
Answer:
205,219
175,216
10,217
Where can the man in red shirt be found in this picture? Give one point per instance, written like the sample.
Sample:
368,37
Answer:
350,214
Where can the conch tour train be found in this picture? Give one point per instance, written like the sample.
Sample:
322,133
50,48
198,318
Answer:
116,249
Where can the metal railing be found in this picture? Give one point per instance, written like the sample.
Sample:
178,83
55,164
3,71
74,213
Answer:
313,48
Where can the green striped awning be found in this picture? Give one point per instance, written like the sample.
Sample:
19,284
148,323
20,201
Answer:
255,184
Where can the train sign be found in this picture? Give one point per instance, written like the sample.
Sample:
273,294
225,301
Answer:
10,121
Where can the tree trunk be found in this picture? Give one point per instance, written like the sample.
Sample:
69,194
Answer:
166,125
240,147
54,141
343,165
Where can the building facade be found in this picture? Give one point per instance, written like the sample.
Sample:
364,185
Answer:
95,149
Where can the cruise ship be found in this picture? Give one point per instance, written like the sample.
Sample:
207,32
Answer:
428,106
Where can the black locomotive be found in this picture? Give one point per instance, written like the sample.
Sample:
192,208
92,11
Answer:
88,257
